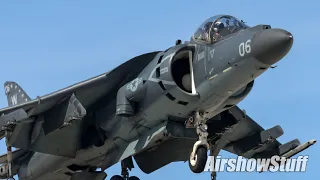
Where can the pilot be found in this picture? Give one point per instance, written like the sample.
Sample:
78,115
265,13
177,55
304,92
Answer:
218,26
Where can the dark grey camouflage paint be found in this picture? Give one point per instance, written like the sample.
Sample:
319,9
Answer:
138,110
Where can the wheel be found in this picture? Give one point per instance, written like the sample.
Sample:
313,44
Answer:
198,163
116,177
133,178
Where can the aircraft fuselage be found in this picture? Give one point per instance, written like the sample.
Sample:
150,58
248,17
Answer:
189,77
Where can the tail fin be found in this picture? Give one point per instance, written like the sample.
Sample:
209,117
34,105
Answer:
15,94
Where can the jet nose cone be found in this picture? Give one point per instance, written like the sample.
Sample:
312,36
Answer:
271,45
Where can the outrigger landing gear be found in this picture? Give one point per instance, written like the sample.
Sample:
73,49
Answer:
8,166
124,174
198,156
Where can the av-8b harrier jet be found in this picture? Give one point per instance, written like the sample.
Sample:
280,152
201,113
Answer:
157,108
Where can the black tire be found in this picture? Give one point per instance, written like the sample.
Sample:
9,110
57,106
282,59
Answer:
116,177
201,160
133,178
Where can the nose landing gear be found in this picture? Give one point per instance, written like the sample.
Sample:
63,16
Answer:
198,156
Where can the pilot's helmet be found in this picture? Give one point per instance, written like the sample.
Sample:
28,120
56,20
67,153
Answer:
218,26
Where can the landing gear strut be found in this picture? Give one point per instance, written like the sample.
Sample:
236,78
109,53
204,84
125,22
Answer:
6,169
213,173
124,173
198,156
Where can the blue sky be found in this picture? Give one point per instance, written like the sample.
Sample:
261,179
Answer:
47,45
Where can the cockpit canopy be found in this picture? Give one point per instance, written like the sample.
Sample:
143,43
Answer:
217,28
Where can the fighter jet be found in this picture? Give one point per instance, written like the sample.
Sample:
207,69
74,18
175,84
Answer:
157,108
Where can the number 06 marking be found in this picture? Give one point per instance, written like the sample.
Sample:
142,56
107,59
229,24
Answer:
245,48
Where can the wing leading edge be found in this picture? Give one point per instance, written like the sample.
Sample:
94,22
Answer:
96,87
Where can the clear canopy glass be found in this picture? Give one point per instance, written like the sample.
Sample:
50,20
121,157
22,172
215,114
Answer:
217,28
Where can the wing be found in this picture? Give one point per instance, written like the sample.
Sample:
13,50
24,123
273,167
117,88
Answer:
248,139
34,123
88,91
